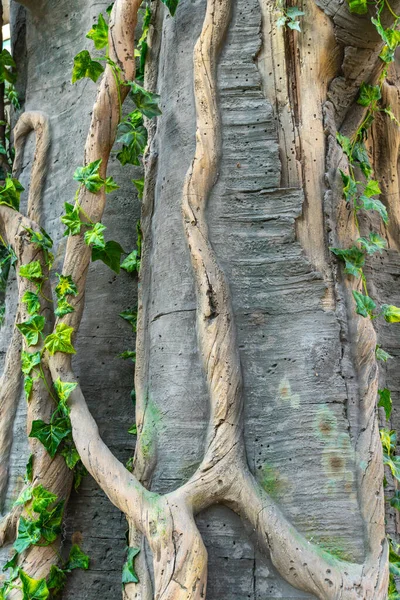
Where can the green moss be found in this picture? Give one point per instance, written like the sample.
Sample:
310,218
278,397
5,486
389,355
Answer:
273,483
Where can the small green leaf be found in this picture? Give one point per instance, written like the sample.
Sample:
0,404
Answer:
391,313
146,102
33,589
51,434
29,360
32,302
381,354
89,176
110,185
281,21
133,429
71,456
374,204
60,340
65,286
353,258
364,304
99,33
128,354
29,534
346,145
139,185
24,496
28,386
358,7
110,254
128,573
394,465
385,400
369,94
31,329
293,12
42,498
84,66
372,188
350,187
6,60
294,25
64,390
172,5
131,317
77,559
10,193
389,440
32,271
56,580
29,469
375,243
71,219
131,263
95,235
360,155
63,308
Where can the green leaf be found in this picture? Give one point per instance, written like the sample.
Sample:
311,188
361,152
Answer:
32,302
375,243
369,94
84,66
381,354
146,102
77,559
95,235
131,317
29,360
79,473
56,580
110,185
133,135
395,500
358,7
29,469
133,429
99,33
128,354
131,262
281,21
346,145
394,465
50,522
71,219
10,193
128,573
40,239
385,400
63,308
172,5
365,304
28,386
350,186
6,60
360,155
42,498
374,204
65,286
294,25
372,188
71,456
139,185
389,440
89,176
110,254
51,434
33,589
64,390
60,340
391,313
293,12
353,258
109,8
32,271
29,534
24,496
31,329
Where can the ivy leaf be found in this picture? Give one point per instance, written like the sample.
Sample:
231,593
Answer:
381,354
139,185
350,186
391,313
77,559
56,580
110,254
360,154
389,440
95,235
65,286
99,33
128,572
32,271
372,188
385,400
369,94
109,8
29,469
29,534
89,176
31,329
6,60
60,340
29,361
28,386
353,258
375,243
84,66
293,12
110,185
71,456
146,102
374,204
63,308
172,5
71,219
64,390
133,429
131,317
32,302
131,262
40,239
24,496
51,434
345,143
50,522
42,498
358,7
365,304
79,473
394,465
294,25
281,21
13,565
10,193
128,354
33,589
